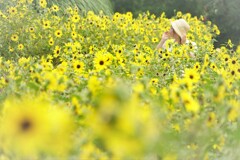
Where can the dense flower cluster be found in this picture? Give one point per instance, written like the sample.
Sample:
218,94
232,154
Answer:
95,87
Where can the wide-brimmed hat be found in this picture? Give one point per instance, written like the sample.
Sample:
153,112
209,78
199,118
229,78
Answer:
181,27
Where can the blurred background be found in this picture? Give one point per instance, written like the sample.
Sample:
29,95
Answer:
224,13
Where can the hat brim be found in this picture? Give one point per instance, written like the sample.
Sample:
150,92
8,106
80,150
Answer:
175,27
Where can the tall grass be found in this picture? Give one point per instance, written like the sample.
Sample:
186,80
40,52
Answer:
83,5
86,5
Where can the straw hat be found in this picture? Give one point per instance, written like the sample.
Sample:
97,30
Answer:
181,27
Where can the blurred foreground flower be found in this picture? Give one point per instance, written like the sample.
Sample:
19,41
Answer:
31,126
123,124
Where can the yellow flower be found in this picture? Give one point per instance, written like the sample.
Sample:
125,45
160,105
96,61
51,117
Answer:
2,15
12,10
43,3
213,67
230,44
62,67
94,84
216,30
116,122
233,112
46,24
232,72
176,127
74,34
226,58
233,62
191,75
100,62
75,18
220,94
58,33
78,66
11,49
23,61
238,49
220,144
206,59
155,40
138,87
90,151
55,81
20,46
153,81
191,105
55,8
31,126
211,121
31,29
197,66
14,37
51,41
179,14
56,51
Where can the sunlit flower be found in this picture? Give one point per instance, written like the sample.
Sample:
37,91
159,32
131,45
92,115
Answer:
46,24
32,126
197,66
153,81
31,29
179,14
100,62
20,46
190,104
94,84
55,8
191,75
226,58
51,41
2,15
43,3
230,44
12,10
78,66
213,66
233,62
14,37
75,18
58,33
212,120
56,51
74,35
11,49
155,40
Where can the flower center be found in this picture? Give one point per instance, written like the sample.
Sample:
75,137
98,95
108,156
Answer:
25,125
101,62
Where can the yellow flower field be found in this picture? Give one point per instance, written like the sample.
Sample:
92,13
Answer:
92,86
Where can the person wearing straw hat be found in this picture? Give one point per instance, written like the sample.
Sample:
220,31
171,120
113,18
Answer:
178,32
